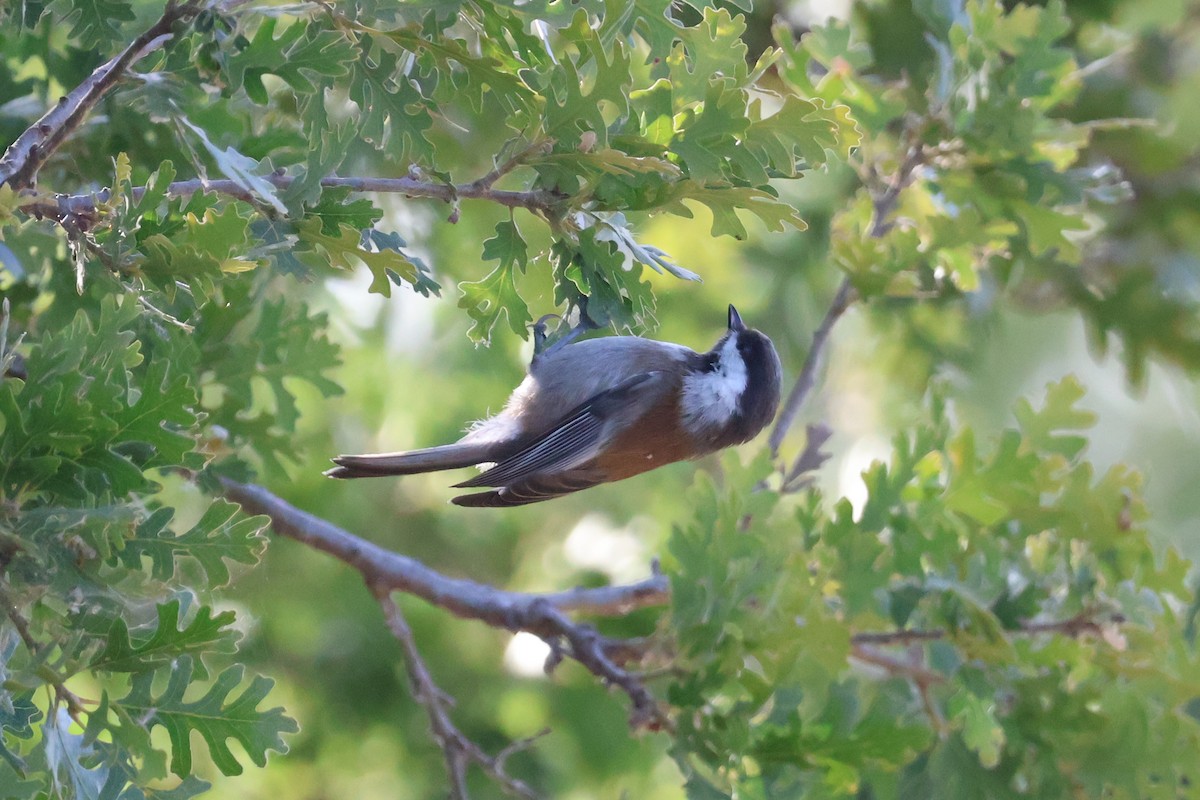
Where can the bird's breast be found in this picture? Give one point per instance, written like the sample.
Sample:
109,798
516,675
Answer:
655,439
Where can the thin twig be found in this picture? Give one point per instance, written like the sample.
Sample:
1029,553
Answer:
85,205
459,751
11,362
864,647
808,372
543,615
502,169
164,316
20,164
810,459
915,672
897,637
1083,623
72,701
884,199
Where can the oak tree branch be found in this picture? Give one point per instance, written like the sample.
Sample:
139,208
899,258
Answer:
459,751
884,199
544,615
84,206
20,164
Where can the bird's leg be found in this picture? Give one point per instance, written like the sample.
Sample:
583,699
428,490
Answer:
539,333
540,337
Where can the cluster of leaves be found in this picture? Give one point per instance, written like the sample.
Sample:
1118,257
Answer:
993,620
164,338
1136,286
1045,653
1006,209
1000,76
95,569
608,109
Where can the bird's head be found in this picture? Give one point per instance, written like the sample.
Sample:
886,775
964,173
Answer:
734,391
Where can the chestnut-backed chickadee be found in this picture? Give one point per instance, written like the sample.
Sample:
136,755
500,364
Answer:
602,410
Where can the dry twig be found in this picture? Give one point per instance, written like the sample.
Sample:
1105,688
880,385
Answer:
884,199
459,751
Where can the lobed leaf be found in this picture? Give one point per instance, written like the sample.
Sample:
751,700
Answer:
206,633
496,294
216,716
221,534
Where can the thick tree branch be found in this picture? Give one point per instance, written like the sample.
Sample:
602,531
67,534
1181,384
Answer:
459,751
543,615
464,598
20,164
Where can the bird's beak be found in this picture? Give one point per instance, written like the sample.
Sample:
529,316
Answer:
735,320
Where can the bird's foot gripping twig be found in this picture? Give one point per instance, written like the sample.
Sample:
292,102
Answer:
541,337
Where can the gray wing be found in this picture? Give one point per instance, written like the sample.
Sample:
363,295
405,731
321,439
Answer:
547,467
533,490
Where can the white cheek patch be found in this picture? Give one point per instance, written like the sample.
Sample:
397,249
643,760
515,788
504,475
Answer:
710,399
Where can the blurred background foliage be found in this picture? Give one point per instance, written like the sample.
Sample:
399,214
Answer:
1051,233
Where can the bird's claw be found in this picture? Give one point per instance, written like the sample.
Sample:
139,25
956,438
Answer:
540,337
539,333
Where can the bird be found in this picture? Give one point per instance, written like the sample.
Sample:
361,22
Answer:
601,410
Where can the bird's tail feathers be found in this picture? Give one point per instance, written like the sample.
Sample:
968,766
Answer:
431,459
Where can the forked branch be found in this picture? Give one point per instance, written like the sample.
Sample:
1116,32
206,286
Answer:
458,750
544,615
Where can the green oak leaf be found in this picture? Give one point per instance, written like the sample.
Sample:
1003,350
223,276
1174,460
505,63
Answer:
217,716
222,534
495,295
205,633
297,55
345,251
1047,428
17,720
95,23
725,202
